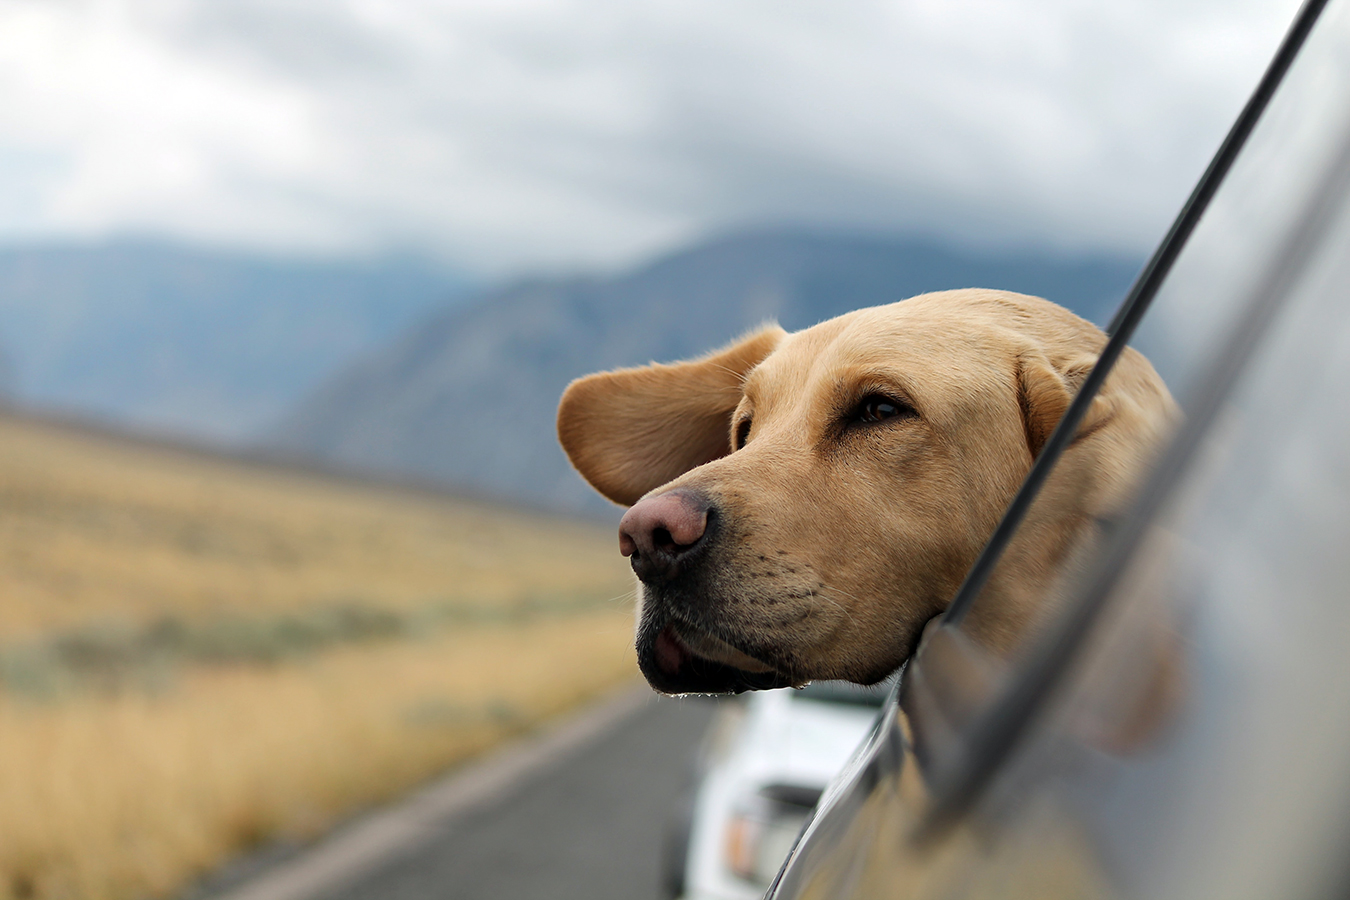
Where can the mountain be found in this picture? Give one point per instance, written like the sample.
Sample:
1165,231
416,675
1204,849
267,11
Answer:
194,343
468,398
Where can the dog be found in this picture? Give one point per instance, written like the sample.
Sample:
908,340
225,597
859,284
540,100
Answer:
802,504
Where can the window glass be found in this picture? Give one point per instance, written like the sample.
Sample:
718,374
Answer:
1203,744
1261,199
1196,743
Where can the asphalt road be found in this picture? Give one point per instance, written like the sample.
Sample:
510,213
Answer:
589,827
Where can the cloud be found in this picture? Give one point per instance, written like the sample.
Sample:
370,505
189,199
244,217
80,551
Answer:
514,133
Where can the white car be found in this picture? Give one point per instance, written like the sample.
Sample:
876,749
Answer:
765,761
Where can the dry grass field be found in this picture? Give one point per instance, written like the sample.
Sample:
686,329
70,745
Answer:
197,655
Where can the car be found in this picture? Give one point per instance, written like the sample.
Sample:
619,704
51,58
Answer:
1178,724
766,759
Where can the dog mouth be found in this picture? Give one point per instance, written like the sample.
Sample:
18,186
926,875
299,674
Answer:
679,659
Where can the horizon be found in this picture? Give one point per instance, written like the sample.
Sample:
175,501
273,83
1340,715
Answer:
479,282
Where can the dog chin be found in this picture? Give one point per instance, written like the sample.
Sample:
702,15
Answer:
677,659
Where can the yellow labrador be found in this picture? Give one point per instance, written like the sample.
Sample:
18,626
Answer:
802,504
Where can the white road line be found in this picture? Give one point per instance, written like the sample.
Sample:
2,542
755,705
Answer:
398,830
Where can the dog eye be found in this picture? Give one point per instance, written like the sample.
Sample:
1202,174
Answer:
742,434
876,408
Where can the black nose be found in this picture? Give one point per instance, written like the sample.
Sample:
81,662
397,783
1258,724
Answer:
659,533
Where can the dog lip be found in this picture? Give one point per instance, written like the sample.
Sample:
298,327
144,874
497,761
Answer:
672,667
671,652
706,646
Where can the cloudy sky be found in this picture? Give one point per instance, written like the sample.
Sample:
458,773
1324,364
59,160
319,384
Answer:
502,135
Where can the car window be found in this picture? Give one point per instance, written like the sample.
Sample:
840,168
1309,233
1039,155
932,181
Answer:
1180,327
1193,739
1221,583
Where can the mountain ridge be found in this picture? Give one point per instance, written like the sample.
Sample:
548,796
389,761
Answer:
200,343
469,396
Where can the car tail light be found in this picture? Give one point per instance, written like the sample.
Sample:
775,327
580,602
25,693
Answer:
763,828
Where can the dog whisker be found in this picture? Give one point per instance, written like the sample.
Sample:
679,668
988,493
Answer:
848,613
626,596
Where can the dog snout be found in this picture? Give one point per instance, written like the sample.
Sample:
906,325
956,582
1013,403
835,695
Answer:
659,533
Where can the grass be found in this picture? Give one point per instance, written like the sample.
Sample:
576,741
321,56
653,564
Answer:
100,530
198,655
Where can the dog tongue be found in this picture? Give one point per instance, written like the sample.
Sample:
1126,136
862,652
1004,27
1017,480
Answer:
670,651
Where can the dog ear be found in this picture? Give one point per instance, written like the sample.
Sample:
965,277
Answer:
631,430
1045,391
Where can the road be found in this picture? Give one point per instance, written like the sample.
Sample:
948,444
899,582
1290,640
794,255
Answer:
584,821
589,828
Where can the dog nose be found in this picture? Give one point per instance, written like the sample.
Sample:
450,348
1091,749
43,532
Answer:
657,533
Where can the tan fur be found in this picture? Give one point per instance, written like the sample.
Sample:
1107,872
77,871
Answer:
667,418
838,542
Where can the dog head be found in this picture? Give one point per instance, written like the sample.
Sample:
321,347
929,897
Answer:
801,504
